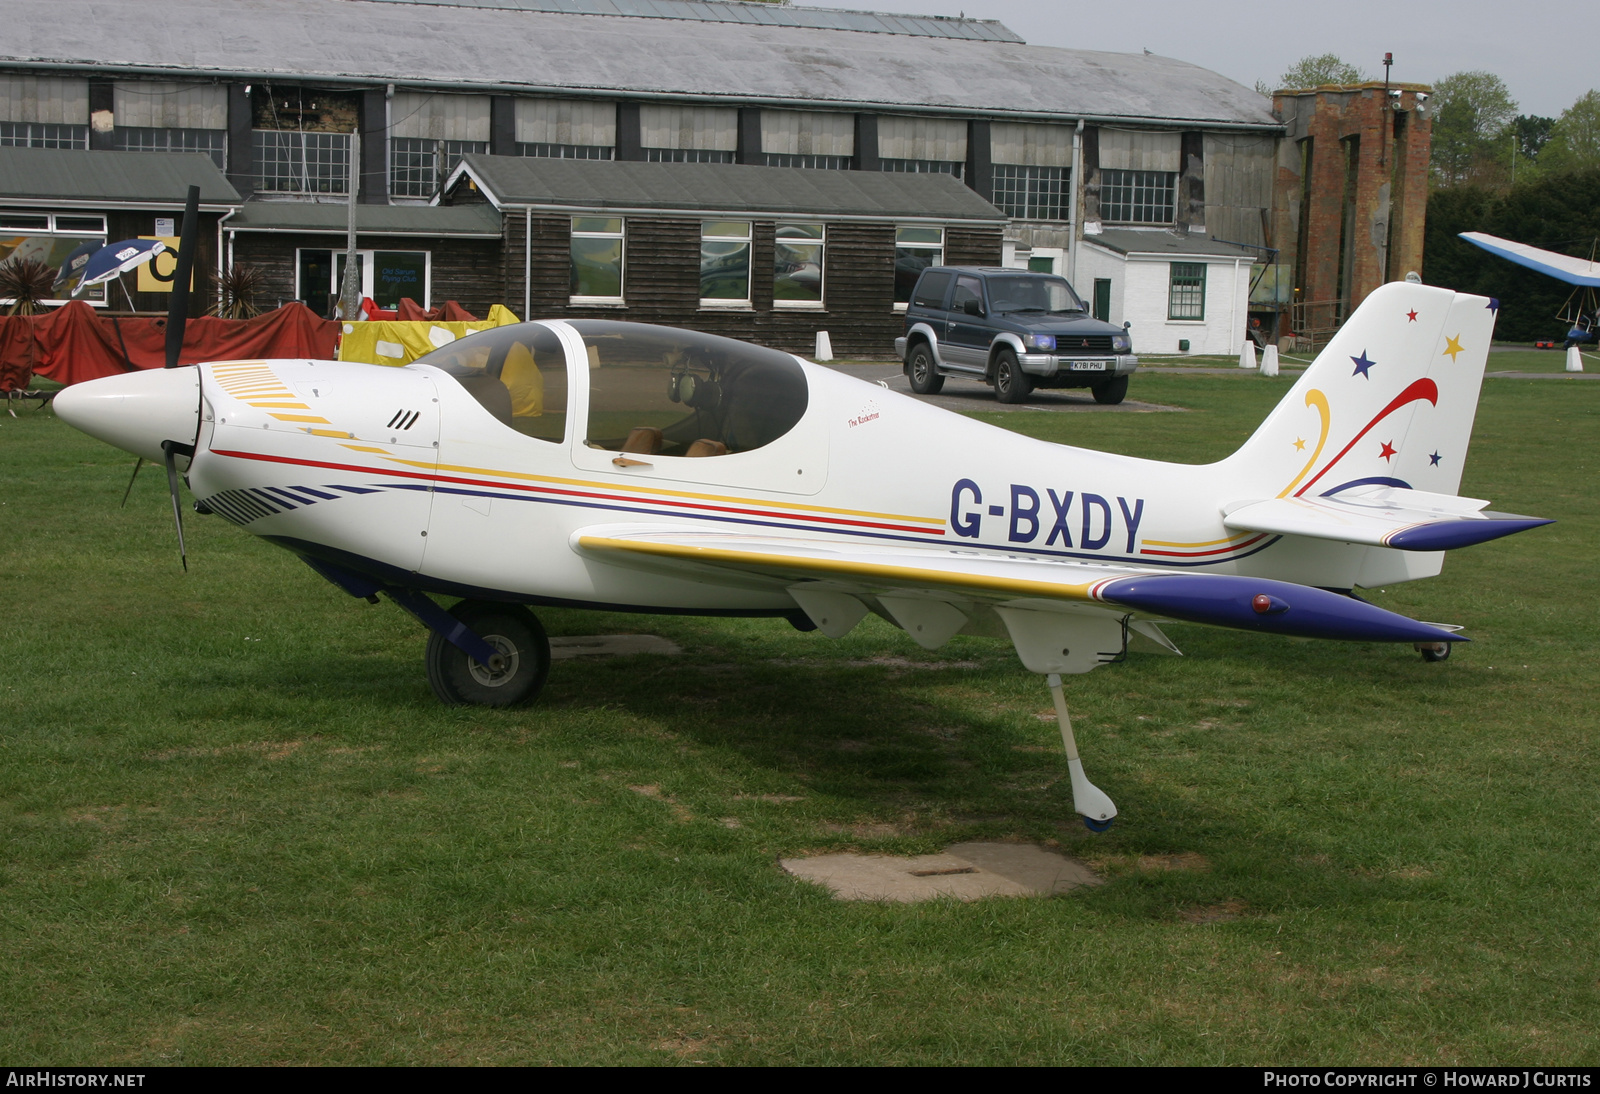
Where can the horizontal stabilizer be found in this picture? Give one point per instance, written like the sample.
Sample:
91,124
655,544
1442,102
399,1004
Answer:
890,572
1382,516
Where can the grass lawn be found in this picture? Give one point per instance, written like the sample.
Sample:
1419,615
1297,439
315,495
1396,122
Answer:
239,830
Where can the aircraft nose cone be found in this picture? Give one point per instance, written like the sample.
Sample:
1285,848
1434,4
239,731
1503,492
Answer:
136,411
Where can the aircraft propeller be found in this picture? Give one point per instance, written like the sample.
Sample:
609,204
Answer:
177,319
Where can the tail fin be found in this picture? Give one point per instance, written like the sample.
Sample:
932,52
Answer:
1390,401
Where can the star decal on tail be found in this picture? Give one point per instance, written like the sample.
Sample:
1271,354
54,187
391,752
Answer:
1362,365
1452,346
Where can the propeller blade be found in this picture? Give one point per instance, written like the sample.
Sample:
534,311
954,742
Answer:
178,307
136,465
171,449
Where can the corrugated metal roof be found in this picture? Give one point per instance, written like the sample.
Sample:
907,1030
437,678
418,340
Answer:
695,187
772,15
67,176
427,45
1166,242
330,219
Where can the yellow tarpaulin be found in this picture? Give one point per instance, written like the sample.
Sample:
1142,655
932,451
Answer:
390,342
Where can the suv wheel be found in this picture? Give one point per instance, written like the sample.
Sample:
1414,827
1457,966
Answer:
1011,384
1110,392
925,378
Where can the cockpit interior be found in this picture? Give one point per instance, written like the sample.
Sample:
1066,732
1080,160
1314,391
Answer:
657,391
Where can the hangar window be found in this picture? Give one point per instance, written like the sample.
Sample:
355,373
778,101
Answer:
915,249
922,167
667,392
597,260
797,266
418,166
1031,192
43,135
1138,197
725,263
518,373
292,162
134,138
548,151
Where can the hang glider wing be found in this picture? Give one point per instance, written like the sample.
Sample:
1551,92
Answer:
823,576
1574,271
1382,516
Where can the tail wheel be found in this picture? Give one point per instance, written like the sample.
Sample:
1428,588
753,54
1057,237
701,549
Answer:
925,378
1011,384
1434,651
1110,392
458,680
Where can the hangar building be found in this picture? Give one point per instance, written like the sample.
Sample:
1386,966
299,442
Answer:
757,170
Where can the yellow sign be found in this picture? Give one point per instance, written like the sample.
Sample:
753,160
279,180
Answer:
165,264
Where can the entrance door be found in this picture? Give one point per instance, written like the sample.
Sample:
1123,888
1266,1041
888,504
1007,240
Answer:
1102,299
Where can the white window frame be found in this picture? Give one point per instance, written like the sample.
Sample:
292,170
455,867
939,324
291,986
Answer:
748,239
367,255
52,228
821,243
621,236
938,248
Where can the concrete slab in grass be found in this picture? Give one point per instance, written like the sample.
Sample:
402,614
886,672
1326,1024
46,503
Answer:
965,871
611,645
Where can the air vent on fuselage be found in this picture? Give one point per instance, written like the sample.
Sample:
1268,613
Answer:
404,419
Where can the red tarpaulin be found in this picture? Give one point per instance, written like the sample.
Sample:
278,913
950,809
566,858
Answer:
72,344
410,311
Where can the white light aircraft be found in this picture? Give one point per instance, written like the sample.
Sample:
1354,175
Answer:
620,466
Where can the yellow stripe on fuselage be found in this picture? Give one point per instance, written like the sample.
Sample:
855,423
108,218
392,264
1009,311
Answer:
1207,543
1009,586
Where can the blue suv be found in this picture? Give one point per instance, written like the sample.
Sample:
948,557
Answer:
1014,329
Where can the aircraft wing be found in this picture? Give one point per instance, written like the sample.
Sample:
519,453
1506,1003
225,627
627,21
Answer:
816,571
1382,516
1574,271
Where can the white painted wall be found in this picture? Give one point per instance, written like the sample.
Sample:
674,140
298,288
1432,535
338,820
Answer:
1139,288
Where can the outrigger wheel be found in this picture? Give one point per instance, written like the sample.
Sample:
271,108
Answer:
524,656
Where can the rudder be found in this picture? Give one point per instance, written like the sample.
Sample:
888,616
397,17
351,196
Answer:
1390,400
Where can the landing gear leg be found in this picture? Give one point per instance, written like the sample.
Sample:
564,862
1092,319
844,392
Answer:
1088,799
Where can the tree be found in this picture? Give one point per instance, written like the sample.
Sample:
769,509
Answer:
1557,212
1473,113
1531,132
1324,68
1574,143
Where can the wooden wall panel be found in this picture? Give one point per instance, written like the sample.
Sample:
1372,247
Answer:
662,282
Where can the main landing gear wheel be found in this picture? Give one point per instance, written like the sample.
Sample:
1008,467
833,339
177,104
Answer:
458,680
1434,651
1110,392
1011,384
925,378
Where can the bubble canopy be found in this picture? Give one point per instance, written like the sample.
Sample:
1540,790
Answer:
653,390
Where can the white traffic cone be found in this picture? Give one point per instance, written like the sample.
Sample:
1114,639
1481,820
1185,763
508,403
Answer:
1247,354
824,347
1269,360
1574,359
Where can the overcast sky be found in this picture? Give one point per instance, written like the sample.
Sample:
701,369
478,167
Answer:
1547,51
